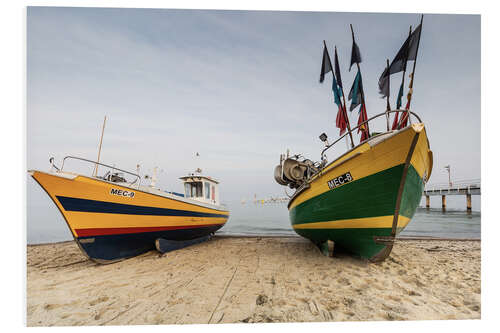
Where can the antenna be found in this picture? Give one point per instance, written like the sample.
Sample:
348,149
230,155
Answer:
197,159
154,178
100,145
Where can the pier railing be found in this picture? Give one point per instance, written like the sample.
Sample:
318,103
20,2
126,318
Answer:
467,186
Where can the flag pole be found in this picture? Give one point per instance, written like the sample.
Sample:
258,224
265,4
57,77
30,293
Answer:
388,107
410,92
345,110
347,118
402,84
362,90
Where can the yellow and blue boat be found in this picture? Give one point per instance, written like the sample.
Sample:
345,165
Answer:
111,218
362,200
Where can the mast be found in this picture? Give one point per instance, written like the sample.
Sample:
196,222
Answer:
362,90
100,145
410,92
402,85
345,108
388,106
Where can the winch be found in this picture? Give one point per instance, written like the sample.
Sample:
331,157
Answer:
295,170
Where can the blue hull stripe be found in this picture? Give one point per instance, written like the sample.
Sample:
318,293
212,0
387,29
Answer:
94,206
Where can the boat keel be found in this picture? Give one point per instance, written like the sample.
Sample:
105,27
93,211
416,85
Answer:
326,248
167,245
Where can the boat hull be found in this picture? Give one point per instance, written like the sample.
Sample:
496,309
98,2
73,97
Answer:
364,214
110,222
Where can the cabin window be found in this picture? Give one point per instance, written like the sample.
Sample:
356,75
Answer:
193,189
213,193
207,190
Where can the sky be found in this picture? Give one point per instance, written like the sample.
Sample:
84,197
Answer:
238,87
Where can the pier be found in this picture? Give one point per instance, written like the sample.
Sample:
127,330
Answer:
270,200
467,187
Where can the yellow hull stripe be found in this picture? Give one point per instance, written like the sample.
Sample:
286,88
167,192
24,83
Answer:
82,220
362,223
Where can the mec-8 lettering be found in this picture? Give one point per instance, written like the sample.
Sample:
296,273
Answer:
340,180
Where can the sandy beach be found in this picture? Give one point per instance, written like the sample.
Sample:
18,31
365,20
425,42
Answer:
234,280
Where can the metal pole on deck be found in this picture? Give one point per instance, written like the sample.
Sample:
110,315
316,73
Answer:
100,145
388,107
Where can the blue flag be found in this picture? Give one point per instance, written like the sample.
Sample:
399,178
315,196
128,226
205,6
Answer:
337,93
355,93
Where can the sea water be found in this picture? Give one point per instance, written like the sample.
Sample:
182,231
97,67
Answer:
45,224
272,219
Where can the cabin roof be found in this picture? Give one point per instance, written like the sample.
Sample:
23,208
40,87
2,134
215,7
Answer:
197,178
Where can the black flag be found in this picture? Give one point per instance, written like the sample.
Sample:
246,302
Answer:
326,64
407,52
384,87
355,54
337,69
412,52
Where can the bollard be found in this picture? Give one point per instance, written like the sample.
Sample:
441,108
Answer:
443,202
469,202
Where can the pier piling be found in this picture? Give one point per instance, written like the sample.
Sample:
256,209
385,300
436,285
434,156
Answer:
464,187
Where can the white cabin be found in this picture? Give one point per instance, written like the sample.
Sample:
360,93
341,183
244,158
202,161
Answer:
201,188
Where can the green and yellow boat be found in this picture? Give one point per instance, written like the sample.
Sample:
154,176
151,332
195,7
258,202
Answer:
362,200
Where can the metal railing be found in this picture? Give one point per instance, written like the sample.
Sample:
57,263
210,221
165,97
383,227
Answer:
386,114
96,163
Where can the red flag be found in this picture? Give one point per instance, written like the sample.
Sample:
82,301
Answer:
341,121
363,128
396,120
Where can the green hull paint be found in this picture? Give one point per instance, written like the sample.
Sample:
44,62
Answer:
357,241
412,193
372,196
